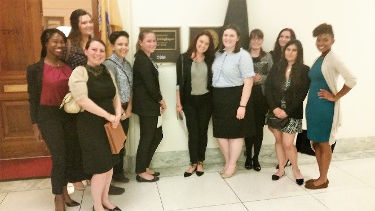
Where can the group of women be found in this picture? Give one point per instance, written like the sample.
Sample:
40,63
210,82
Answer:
234,86
244,90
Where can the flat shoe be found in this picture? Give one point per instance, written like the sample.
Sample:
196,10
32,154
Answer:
72,204
277,177
314,187
156,174
114,209
140,179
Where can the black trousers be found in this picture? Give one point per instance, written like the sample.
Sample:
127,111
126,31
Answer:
59,132
260,110
149,140
198,110
119,167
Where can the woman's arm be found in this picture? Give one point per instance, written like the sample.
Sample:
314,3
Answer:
178,102
89,105
246,92
324,94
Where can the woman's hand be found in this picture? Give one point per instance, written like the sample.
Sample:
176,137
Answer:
126,114
277,111
257,78
163,106
241,112
324,94
282,114
179,108
37,133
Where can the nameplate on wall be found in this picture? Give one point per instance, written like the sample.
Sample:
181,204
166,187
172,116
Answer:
168,43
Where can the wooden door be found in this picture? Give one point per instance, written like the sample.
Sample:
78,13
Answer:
20,30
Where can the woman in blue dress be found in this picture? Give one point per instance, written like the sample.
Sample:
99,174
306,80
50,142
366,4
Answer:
322,110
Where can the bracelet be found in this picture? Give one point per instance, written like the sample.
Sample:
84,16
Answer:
242,106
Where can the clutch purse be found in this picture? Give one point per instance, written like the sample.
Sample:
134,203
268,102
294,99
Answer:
116,137
70,105
303,144
275,122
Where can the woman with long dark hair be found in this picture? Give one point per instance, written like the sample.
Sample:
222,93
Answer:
284,36
148,103
232,83
193,96
47,82
323,104
286,88
262,65
94,89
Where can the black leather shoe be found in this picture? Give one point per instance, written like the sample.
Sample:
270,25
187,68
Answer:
156,174
276,177
256,165
199,173
300,181
140,179
248,163
72,204
120,178
113,190
114,209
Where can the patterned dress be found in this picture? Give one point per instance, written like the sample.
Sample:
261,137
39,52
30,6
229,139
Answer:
294,125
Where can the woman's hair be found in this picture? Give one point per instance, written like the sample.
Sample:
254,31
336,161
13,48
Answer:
75,33
44,38
116,34
141,36
238,43
277,48
257,33
298,63
93,40
209,55
323,29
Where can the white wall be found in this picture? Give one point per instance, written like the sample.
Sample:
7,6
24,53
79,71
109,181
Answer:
353,26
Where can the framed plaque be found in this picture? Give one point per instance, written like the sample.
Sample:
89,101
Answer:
168,43
215,32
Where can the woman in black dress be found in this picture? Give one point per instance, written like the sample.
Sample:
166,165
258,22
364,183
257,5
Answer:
47,82
148,104
93,88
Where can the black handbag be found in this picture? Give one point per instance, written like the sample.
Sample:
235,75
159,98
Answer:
303,144
275,122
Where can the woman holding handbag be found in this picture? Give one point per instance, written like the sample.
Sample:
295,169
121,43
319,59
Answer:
286,88
193,96
94,89
47,82
323,104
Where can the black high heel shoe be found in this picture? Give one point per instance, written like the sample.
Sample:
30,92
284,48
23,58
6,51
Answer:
114,209
300,181
256,165
248,163
140,179
188,174
199,173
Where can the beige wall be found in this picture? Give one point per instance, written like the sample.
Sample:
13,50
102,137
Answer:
63,8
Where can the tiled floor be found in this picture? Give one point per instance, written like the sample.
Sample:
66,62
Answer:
351,188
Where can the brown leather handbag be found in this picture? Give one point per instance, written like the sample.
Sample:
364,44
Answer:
116,137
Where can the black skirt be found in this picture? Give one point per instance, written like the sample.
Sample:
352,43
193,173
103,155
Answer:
225,124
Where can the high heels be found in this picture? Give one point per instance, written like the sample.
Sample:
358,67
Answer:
248,163
188,174
141,179
300,181
199,173
256,165
277,177
114,209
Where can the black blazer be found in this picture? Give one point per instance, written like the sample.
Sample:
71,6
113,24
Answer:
146,89
184,76
294,95
34,77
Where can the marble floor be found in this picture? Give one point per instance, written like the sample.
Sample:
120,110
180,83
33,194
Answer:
351,188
